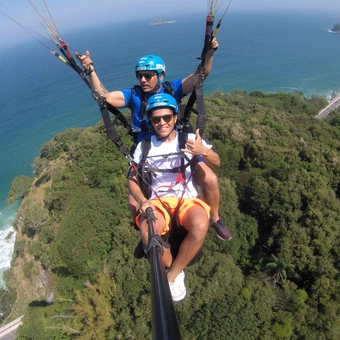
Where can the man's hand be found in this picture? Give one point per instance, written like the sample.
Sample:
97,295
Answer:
144,205
195,147
214,45
85,61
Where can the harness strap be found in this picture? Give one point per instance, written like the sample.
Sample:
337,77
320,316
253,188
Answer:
173,170
110,130
121,117
63,48
196,96
200,107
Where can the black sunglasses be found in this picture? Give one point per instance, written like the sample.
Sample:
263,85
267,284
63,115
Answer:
157,119
146,75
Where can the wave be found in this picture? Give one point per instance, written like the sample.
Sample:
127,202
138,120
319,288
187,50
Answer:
290,88
7,240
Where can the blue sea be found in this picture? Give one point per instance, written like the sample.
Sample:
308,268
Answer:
259,50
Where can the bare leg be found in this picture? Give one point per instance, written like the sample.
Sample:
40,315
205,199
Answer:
133,207
196,221
211,192
159,225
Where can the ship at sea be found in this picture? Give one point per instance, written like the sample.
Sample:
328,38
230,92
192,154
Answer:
161,22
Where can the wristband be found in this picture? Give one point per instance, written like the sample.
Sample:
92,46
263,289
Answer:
88,72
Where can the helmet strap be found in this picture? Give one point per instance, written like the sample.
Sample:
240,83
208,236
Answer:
160,81
156,89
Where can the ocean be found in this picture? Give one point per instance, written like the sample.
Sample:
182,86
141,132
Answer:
259,50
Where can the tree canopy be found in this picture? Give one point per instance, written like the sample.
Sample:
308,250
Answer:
278,278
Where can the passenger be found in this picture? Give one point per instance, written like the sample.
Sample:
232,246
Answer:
169,190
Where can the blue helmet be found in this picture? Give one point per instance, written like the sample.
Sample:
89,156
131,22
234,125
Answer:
161,100
151,62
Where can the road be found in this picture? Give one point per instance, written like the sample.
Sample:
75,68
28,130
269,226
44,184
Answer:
8,332
8,336
329,108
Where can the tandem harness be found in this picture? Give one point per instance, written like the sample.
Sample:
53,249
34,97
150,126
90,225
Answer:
177,233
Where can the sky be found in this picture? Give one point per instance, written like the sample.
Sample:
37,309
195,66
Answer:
80,13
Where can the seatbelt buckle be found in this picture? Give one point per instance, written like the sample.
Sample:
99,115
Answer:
98,98
135,130
129,159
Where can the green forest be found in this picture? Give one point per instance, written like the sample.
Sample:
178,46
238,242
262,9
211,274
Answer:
73,274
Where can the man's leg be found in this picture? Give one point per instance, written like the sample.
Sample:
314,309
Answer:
134,211
211,195
210,190
133,207
196,221
160,225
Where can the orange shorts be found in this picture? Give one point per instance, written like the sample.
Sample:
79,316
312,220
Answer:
171,203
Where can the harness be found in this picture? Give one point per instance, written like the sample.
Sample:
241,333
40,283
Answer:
142,110
144,173
177,233
183,125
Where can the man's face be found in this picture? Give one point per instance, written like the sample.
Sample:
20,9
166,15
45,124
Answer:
163,121
148,80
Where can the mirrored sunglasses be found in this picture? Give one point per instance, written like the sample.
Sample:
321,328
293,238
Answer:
157,119
146,75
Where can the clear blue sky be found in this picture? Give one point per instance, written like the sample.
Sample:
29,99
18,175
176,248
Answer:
78,13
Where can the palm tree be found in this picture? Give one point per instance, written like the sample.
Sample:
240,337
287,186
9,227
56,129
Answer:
279,268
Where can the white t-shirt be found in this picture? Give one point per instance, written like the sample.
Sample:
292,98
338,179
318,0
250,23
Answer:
167,156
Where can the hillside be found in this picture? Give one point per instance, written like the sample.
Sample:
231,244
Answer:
73,273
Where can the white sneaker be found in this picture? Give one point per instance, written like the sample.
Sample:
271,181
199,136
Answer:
177,288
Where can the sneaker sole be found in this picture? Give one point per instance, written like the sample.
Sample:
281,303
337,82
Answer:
223,239
180,297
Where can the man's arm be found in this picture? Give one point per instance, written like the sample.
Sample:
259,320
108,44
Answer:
197,148
137,193
211,157
134,187
115,98
188,83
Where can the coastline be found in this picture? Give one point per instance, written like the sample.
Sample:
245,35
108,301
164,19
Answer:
7,241
8,213
241,62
